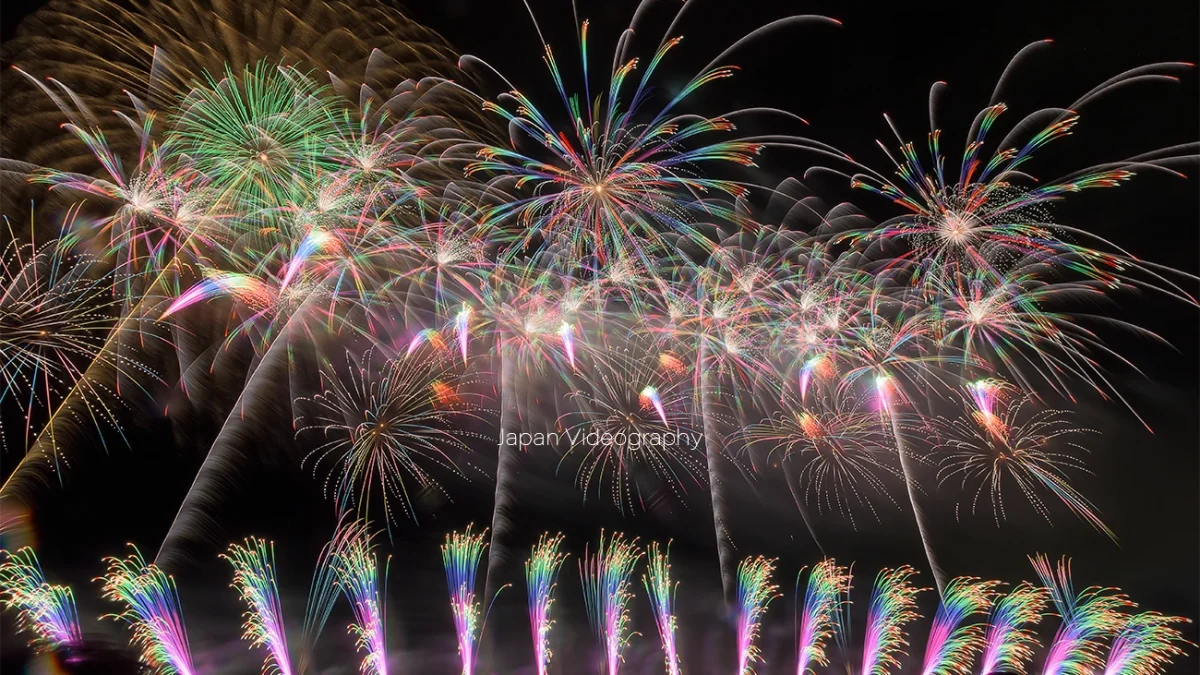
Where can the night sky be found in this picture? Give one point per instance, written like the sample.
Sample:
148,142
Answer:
841,80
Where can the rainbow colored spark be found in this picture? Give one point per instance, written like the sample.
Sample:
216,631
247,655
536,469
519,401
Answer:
45,611
152,612
1146,645
892,606
541,578
1010,639
1088,618
754,594
650,397
607,595
254,578
356,567
661,591
820,614
952,644
460,556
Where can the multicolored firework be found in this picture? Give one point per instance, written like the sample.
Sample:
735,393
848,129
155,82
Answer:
45,611
356,566
892,607
1146,645
1015,441
820,613
1088,618
541,578
952,643
1010,639
56,311
460,556
254,578
661,591
607,594
755,593
618,406
385,424
152,611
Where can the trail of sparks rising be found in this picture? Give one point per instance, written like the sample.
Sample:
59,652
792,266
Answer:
254,578
606,592
820,614
892,607
541,579
952,643
754,594
660,589
152,611
460,556
356,566
1087,618
1010,640
45,611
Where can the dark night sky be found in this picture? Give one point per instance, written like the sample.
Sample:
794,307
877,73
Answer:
882,59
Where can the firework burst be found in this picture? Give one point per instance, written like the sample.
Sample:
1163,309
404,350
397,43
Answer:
254,578
607,594
1015,441
152,611
383,425
45,611
628,398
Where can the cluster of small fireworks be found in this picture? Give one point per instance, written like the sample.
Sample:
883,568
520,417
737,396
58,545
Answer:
1142,643
152,611
607,594
755,593
460,556
254,578
660,589
541,578
45,611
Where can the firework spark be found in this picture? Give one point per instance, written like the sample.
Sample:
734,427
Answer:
952,643
152,611
254,578
1146,645
541,579
893,606
820,614
661,591
755,593
356,567
607,594
460,556
1010,639
1088,618
45,611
